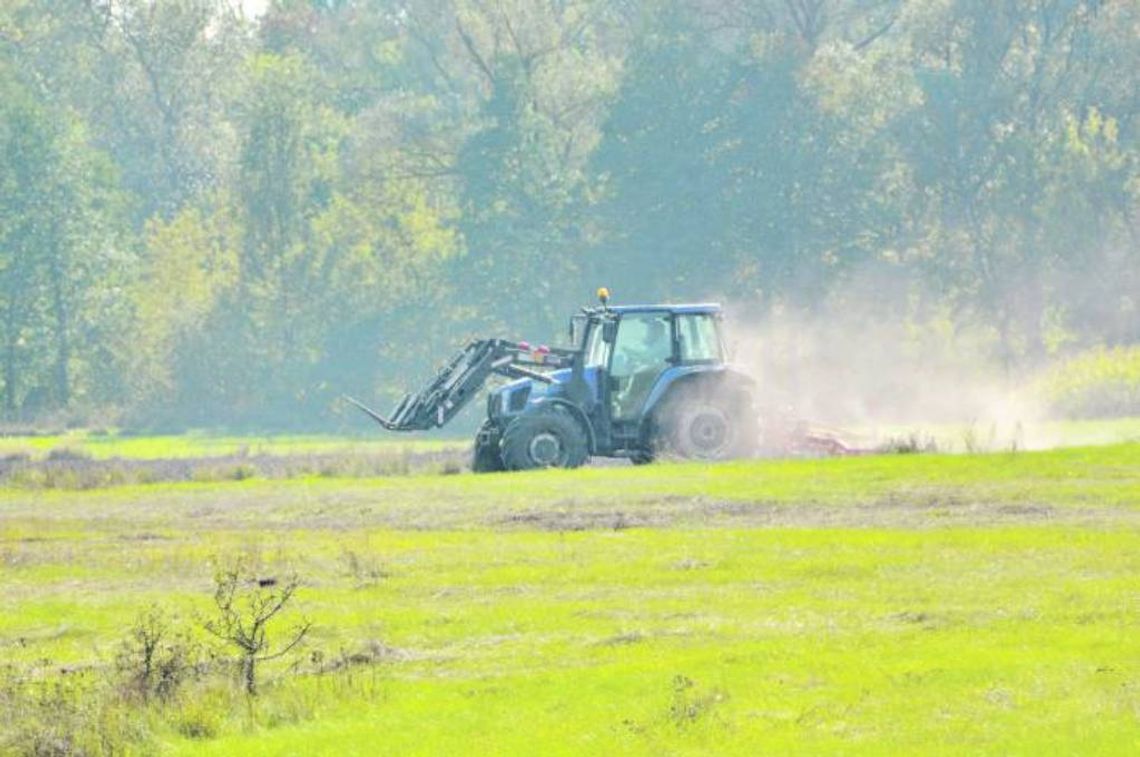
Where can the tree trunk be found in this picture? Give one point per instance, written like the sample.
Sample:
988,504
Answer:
62,341
10,363
249,674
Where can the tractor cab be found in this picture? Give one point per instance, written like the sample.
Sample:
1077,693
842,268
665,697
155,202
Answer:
631,354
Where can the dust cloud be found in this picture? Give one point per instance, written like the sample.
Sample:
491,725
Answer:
861,368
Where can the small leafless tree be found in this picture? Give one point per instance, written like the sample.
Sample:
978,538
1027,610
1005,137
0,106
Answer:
246,607
156,657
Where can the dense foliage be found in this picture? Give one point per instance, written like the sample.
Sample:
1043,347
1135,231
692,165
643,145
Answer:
208,217
1096,384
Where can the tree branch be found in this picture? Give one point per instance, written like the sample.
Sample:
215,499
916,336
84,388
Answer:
866,41
474,53
301,632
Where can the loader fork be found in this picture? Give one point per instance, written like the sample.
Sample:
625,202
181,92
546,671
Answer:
457,383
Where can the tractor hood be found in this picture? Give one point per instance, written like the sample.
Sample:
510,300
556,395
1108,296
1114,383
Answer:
514,397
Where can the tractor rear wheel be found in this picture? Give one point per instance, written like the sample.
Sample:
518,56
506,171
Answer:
487,457
544,440
696,427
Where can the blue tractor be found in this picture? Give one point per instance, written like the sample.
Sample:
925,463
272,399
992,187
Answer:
639,381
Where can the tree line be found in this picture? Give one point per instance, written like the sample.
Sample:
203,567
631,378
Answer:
211,218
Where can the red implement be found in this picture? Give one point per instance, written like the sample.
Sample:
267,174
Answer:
786,436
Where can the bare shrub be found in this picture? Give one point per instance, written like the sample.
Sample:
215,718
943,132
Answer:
908,444
157,657
247,605
65,711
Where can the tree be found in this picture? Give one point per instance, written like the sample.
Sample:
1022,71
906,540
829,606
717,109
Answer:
1001,84
58,251
247,606
191,267
544,72
157,79
336,193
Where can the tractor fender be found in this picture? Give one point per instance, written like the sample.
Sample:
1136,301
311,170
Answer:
682,376
547,403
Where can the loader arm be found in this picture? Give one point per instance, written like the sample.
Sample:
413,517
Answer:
462,377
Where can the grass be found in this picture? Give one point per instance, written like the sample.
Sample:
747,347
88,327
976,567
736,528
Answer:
984,437
933,603
104,446
89,461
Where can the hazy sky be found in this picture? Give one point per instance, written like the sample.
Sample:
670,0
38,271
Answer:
254,8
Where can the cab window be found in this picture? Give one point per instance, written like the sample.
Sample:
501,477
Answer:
698,338
642,351
643,343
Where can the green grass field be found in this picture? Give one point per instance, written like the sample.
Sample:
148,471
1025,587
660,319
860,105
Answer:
109,445
950,437
892,604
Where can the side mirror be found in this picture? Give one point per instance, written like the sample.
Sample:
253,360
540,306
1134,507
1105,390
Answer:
609,332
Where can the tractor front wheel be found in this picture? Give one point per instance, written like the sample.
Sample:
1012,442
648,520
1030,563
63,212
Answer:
544,440
487,457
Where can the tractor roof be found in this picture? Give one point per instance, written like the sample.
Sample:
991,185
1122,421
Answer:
704,307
